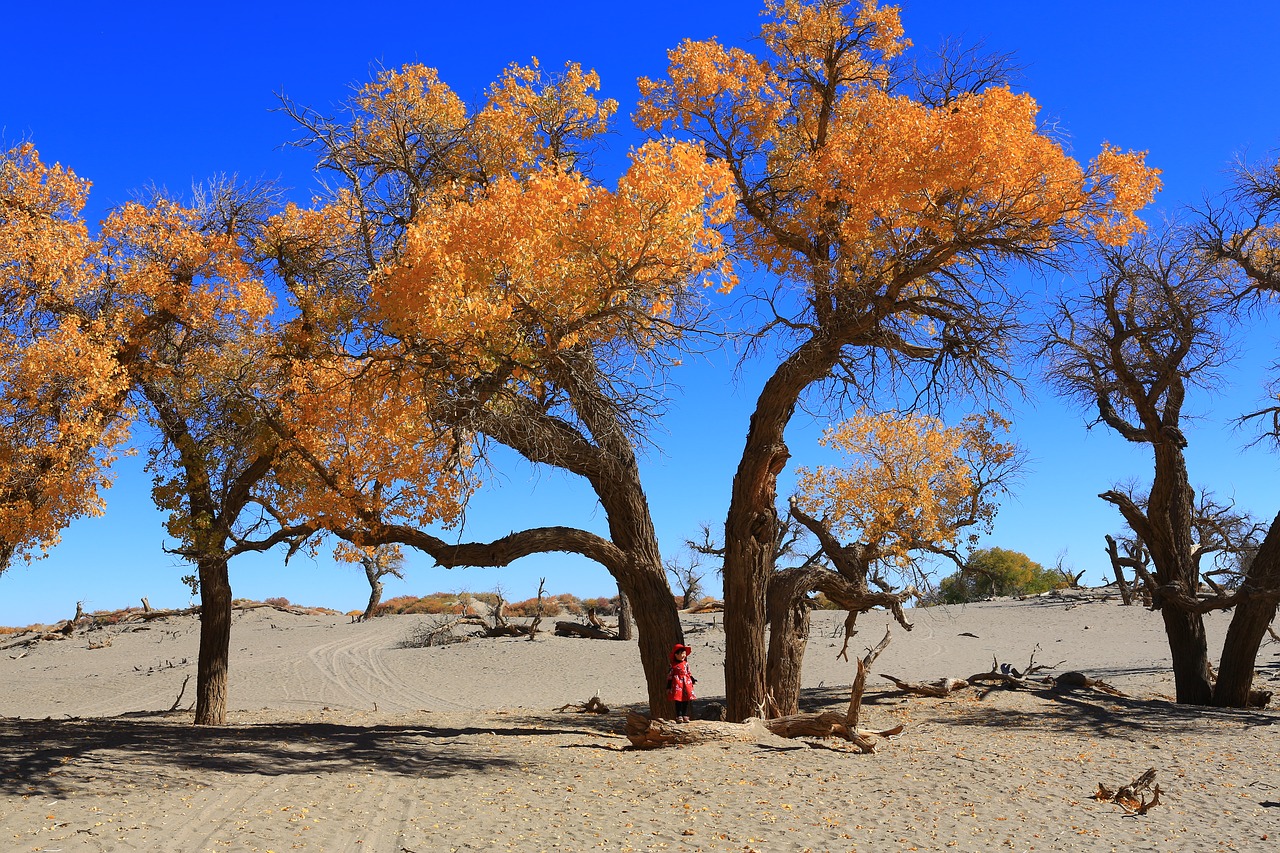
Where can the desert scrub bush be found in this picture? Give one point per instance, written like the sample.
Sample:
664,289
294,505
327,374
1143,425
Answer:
442,630
434,604
603,606
995,572
529,607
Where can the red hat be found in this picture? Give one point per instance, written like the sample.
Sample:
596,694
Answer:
679,646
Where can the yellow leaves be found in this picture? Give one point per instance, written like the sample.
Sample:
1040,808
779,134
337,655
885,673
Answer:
407,105
537,119
374,436
910,481
1122,184
834,151
530,267
162,262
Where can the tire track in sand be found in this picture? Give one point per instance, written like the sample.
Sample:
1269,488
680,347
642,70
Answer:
354,667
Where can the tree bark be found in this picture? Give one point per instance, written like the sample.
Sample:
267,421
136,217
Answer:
751,527
658,625
1189,650
1255,610
626,617
375,598
215,642
788,612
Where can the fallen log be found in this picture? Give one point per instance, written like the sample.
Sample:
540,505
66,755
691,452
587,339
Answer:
577,629
937,689
646,733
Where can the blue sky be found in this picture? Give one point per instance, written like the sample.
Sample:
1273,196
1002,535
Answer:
134,94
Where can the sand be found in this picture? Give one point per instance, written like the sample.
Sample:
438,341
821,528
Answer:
342,741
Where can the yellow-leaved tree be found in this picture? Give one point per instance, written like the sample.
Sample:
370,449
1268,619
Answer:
492,291
886,205
909,488
60,389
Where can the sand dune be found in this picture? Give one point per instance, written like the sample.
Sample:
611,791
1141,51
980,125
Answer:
342,741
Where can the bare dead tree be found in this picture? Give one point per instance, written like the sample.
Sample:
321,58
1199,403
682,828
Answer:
1152,326
688,576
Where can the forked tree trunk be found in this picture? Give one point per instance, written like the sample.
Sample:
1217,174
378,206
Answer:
751,527
215,642
748,564
1255,610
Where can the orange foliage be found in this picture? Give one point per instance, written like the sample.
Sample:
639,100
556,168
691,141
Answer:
826,150
60,388
512,263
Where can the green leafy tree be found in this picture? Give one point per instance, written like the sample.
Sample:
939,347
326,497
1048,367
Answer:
997,571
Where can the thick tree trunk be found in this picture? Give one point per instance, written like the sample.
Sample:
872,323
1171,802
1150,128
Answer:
642,579
215,642
1189,649
1255,610
375,598
751,527
788,611
658,625
748,565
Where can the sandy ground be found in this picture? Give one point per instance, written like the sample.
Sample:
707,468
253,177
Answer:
340,740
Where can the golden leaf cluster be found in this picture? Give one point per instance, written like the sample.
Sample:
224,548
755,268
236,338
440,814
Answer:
909,482
827,153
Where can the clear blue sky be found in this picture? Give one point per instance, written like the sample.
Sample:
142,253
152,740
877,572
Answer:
134,94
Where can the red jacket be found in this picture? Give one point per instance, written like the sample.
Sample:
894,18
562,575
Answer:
679,680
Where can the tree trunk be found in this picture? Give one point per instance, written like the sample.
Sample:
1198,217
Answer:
626,617
375,598
1255,610
748,564
1189,649
751,527
788,611
658,625
215,642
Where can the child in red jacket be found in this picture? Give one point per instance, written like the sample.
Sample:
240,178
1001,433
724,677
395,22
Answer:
680,682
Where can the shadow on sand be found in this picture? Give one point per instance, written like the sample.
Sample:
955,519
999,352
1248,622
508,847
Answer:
50,757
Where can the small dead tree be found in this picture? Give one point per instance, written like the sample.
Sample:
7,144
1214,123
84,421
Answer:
1135,558
688,577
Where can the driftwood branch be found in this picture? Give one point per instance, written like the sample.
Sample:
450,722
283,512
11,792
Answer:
646,733
1132,797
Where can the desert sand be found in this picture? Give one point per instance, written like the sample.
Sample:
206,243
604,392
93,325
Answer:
340,740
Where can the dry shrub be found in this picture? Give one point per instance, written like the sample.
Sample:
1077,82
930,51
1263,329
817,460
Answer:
569,603
434,604
438,631
112,617
602,606
278,602
529,607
